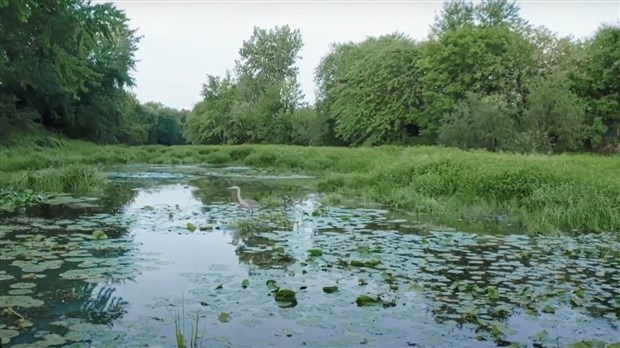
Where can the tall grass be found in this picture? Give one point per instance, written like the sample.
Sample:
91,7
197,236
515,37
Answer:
534,193
68,178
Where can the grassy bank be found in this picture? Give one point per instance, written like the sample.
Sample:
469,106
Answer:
534,193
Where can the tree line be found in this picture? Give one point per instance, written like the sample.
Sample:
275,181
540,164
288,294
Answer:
66,65
483,78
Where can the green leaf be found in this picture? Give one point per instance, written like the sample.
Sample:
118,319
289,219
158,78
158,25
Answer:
330,289
315,252
99,235
588,344
271,285
366,300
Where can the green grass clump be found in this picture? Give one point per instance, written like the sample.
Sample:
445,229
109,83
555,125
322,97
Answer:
78,178
463,189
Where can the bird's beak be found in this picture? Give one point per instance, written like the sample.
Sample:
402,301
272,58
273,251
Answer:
229,188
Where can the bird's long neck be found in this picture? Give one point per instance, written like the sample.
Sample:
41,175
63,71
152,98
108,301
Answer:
239,195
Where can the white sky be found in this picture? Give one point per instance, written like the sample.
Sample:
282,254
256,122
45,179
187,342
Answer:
186,40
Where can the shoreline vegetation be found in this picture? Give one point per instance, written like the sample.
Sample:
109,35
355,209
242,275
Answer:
465,189
423,126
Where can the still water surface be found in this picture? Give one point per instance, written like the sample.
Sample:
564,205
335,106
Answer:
432,289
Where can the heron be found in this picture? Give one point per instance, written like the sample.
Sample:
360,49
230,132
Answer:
250,204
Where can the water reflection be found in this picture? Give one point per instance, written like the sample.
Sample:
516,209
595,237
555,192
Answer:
449,288
103,306
36,266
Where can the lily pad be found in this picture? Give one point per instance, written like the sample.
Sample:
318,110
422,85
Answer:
23,285
20,292
285,298
330,289
588,344
284,295
366,300
7,335
444,281
271,285
315,252
6,277
99,235
20,301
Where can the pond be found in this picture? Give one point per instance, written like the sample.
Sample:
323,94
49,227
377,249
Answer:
170,241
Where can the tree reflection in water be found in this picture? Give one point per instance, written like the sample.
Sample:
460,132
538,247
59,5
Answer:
102,307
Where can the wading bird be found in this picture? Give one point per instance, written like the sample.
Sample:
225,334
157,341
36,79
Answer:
250,204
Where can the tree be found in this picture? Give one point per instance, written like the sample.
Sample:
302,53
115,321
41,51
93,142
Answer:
480,122
454,15
377,96
491,13
487,13
554,54
255,104
309,127
69,61
482,60
167,125
268,58
556,113
598,83
326,78
211,121
270,55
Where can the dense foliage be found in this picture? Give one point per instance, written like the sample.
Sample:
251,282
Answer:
66,64
483,78
257,102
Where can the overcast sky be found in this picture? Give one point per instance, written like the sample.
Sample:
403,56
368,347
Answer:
186,40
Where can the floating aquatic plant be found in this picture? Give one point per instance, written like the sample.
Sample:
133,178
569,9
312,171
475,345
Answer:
366,300
22,301
285,297
271,285
443,281
315,252
224,317
330,289
99,235
11,200
7,334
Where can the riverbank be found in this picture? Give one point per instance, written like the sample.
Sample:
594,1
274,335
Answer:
470,190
